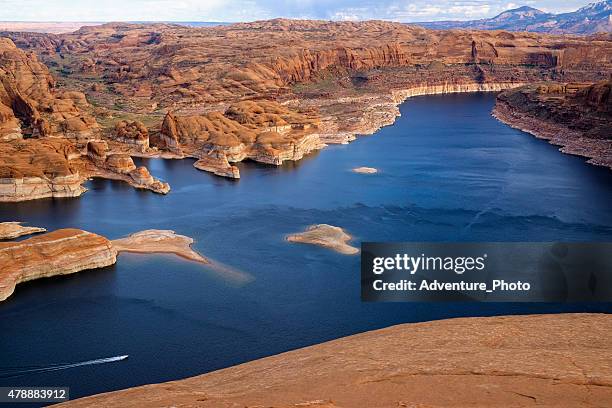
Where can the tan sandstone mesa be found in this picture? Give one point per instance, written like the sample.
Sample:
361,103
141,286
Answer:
327,236
12,230
552,361
59,252
67,251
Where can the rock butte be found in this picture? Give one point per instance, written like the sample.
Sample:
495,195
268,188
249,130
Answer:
327,236
504,361
59,252
12,230
268,91
159,241
67,251
365,170
577,117
44,132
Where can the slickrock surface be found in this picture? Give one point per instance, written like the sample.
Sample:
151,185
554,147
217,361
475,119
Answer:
159,241
58,252
509,361
365,170
275,90
327,236
12,230
577,117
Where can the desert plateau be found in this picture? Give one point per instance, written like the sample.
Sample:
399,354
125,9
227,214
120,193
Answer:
185,190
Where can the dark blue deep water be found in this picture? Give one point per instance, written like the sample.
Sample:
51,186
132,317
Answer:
449,171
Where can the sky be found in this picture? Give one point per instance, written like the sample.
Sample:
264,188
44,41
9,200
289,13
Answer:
249,10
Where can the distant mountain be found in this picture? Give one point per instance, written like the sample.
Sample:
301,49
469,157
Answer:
590,19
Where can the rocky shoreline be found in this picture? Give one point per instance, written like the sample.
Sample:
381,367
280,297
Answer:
214,94
580,139
12,230
378,111
477,362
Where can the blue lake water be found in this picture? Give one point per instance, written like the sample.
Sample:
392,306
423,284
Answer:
448,172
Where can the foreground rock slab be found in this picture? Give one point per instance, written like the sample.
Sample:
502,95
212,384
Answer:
514,361
12,230
159,241
327,236
60,252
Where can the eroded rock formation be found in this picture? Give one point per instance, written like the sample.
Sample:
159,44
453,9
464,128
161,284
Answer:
59,252
262,131
504,361
132,133
31,106
272,91
39,168
67,251
121,167
577,117
42,132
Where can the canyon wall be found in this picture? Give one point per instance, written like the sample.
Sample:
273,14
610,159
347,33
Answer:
577,117
268,91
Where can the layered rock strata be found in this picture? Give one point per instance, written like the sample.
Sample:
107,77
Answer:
67,251
121,167
12,230
31,106
272,91
577,117
262,131
42,131
504,361
132,133
60,252
39,168
327,236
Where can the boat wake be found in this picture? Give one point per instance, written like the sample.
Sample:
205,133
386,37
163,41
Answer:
10,372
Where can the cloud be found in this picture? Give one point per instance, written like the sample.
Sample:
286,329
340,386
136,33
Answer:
248,10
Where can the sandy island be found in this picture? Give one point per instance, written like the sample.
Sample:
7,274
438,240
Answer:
365,170
159,241
327,236
12,230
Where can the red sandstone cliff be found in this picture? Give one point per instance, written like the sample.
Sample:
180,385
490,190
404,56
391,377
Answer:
577,117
